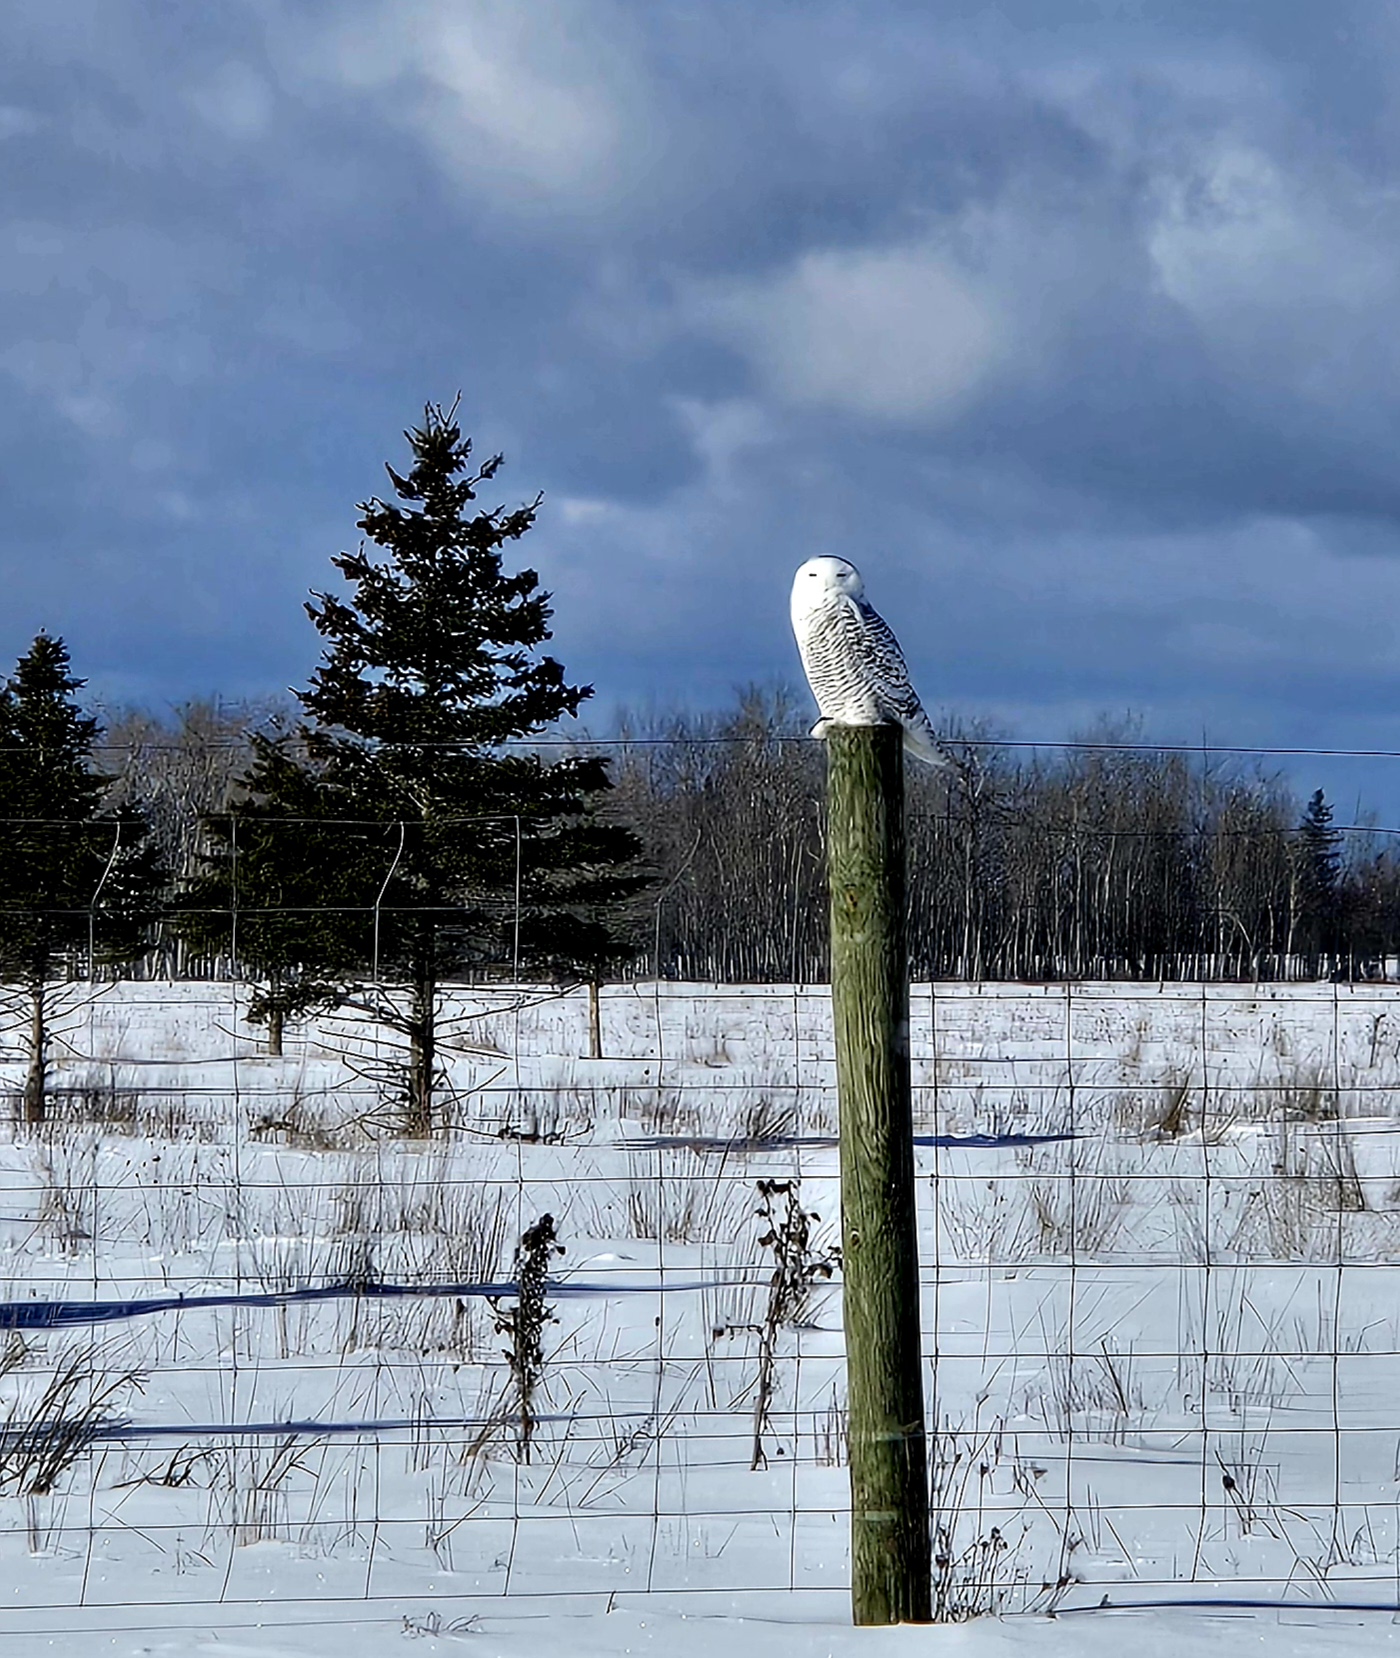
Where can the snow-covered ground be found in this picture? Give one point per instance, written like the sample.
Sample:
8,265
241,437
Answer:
253,1395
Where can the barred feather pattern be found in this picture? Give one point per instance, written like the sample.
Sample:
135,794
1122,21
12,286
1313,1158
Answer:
852,659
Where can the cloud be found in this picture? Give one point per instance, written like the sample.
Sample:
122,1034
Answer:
890,333
1074,324
96,313
526,105
1274,267
235,100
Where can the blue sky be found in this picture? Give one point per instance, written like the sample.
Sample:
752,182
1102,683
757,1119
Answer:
1076,326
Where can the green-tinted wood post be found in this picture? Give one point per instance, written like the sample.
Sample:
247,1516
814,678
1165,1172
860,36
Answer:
890,1552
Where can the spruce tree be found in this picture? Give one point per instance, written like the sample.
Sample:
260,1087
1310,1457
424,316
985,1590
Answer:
436,846
79,883
1317,882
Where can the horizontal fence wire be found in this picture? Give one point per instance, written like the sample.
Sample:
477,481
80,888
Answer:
698,738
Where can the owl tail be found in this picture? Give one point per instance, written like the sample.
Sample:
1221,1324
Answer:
920,741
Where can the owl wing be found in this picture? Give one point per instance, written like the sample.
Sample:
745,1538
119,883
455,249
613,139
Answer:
884,667
888,675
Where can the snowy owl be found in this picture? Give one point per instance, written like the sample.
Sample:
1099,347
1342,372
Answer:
852,660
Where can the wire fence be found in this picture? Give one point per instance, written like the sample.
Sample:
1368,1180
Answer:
271,1337
260,1348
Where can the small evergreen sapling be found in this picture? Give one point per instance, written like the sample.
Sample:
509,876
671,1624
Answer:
282,894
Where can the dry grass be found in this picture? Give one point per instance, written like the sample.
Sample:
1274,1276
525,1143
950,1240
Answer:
684,1199
54,1418
107,1107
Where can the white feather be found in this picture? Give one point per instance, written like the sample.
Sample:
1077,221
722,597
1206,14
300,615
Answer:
852,660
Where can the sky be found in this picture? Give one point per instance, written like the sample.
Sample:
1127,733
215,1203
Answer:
1075,325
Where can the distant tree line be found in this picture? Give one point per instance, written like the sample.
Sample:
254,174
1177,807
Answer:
1111,861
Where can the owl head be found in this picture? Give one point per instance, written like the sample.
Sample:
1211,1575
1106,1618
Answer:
819,580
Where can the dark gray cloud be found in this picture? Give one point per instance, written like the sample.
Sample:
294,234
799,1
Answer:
1076,324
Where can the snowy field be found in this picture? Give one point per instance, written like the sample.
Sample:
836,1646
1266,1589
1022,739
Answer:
254,1393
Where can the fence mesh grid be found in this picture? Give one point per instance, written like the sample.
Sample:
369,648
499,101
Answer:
261,1349
1158,1233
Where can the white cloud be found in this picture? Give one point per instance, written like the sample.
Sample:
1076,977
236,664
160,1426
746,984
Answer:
893,333
722,435
535,101
1234,230
1272,265
236,101
582,509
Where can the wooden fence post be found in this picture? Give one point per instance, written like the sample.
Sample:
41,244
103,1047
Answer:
595,1022
890,1546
